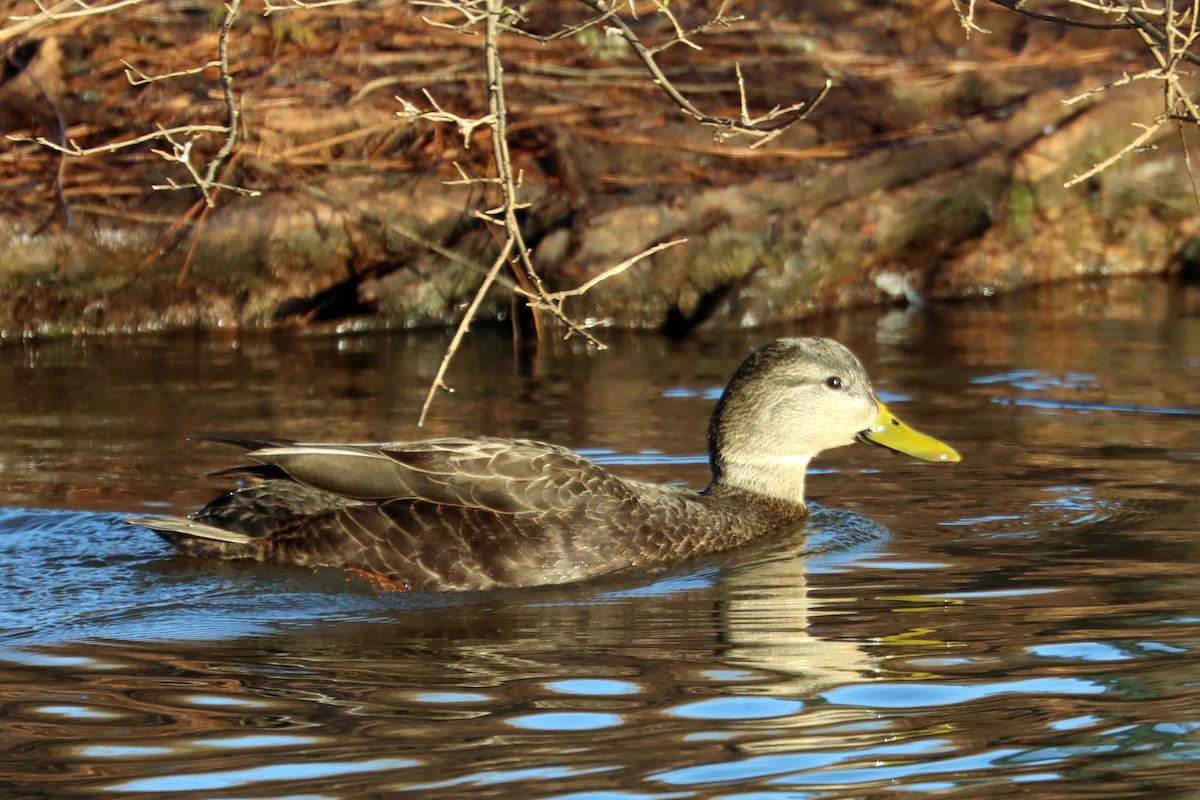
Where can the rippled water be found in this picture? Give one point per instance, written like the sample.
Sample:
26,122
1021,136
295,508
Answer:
1025,623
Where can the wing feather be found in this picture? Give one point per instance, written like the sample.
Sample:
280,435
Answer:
500,475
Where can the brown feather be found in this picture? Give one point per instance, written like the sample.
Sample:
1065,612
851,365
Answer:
462,513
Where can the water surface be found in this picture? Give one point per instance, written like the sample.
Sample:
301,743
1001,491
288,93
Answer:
1026,622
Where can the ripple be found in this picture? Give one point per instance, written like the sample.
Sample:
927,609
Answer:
566,721
1038,380
594,687
1078,405
549,775
450,698
790,763
79,713
890,694
229,779
735,708
1082,651
1067,506
114,751
256,741
1041,382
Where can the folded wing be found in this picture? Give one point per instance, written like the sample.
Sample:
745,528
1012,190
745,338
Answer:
503,476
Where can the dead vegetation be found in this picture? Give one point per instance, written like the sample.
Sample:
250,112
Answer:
318,85
106,105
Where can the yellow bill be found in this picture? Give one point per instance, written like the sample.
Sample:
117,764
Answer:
888,431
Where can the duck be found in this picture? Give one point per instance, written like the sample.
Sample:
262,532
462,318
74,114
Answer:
469,514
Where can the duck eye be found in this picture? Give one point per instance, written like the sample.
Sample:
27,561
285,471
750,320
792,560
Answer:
833,382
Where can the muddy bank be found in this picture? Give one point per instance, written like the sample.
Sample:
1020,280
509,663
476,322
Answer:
933,170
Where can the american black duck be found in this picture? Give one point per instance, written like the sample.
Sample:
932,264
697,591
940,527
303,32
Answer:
458,514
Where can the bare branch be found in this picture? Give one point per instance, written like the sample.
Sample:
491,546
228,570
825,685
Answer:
514,249
557,297
1019,7
181,152
231,109
563,32
1117,8
1125,80
138,78
680,36
300,5
720,18
71,9
1169,32
774,123
466,125
470,16
1148,133
439,380
73,149
967,17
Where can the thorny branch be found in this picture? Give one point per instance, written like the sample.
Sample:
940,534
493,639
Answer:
231,106
71,148
764,128
1169,32
270,7
138,78
202,178
68,9
498,19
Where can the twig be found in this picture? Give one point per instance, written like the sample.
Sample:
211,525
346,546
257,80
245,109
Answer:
513,251
231,109
498,109
202,179
1153,34
1169,32
466,125
680,36
563,32
775,113
505,214
1117,8
294,5
61,10
439,380
1124,80
1187,161
967,17
1019,7
470,17
779,120
554,299
1148,132
138,78
72,149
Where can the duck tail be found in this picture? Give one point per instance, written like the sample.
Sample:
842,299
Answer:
180,529
244,442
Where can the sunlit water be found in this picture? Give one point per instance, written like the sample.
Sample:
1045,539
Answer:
1026,623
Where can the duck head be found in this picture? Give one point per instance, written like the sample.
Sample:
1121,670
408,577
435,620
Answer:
789,401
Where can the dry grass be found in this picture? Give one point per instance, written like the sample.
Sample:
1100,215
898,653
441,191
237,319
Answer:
317,89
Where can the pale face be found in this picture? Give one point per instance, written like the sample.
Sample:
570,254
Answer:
790,401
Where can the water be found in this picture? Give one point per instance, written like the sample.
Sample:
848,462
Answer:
1024,623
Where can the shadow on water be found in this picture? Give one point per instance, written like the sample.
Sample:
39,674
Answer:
1024,623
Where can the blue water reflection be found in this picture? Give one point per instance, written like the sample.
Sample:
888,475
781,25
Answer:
1024,623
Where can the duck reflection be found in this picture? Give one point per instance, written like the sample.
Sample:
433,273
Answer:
649,674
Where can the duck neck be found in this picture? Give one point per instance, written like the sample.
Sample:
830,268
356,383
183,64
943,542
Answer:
781,479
